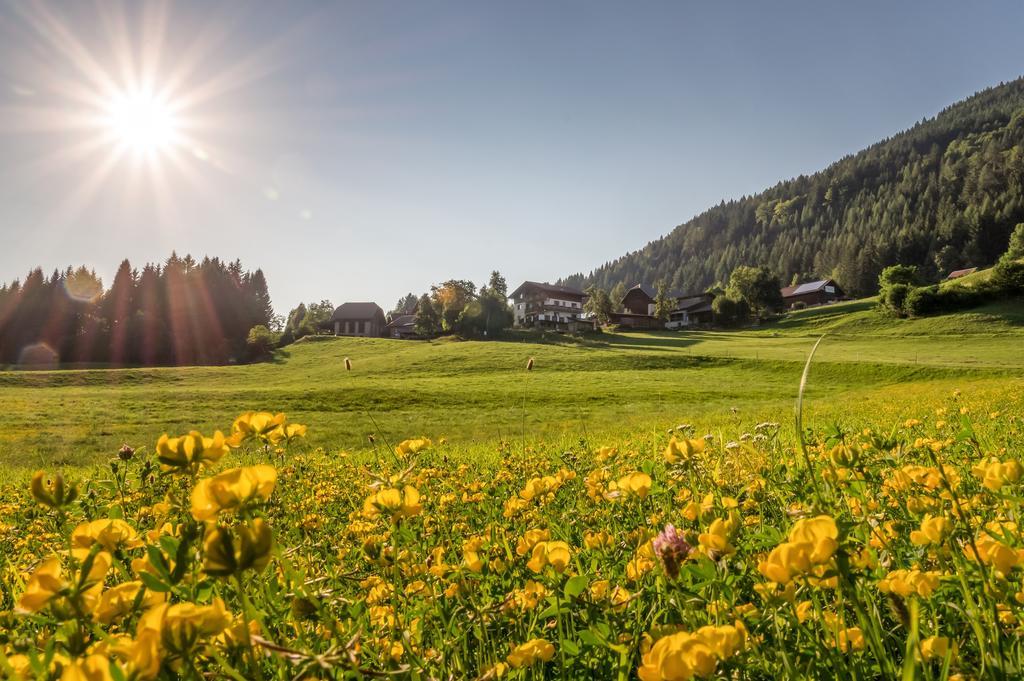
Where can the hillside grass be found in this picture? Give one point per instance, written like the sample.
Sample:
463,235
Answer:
478,394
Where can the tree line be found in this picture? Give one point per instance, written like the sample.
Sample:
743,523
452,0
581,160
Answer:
180,312
942,195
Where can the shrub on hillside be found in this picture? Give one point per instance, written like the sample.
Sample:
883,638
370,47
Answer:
261,342
730,311
892,298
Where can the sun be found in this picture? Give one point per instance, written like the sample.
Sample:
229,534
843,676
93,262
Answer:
142,122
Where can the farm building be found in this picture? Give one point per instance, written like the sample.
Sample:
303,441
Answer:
358,319
692,310
639,305
402,326
812,293
956,274
548,306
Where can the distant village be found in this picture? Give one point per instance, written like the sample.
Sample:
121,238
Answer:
537,305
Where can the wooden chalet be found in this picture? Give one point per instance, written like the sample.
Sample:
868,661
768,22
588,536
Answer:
812,293
549,306
402,326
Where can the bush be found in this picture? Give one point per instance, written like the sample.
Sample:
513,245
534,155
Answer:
730,311
1008,277
921,301
261,342
799,305
893,297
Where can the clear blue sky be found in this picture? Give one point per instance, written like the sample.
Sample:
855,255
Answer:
357,151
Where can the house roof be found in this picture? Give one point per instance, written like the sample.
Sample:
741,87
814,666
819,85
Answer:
548,288
652,294
807,287
693,303
402,320
356,311
956,274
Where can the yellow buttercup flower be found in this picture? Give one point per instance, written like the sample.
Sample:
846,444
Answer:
683,450
44,584
89,668
110,533
182,625
47,583
404,503
53,491
526,654
935,648
907,582
414,446
677,657
633,484
812,542
553,553
120,600
258,425
189,452
934,530
247,547
231,489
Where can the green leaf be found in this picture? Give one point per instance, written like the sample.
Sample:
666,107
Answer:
154,583
570,647
575,586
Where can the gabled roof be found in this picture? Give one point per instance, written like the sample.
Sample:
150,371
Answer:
402,320
548,288
356,311
808,287
956,274
693,303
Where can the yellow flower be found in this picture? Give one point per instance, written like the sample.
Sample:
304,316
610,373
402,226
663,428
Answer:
404,503
786,561
530,539
261,425
118,601
190,451
110,533
934,530
531,652
89,668
994,553
906,582
182,625
820,532
231,489
716,540
683,450
227,553
553,553
414,446
47,583
994,474
44,584
636,484
677,657
934,648
53,492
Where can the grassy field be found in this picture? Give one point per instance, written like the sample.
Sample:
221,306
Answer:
479,394
609,541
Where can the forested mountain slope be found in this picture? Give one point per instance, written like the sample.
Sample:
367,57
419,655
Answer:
942,195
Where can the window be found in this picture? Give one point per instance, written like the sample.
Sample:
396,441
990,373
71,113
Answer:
830,289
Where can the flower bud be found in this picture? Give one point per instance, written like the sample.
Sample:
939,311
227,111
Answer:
53,493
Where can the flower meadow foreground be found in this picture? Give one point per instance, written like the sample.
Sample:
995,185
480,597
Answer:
888,553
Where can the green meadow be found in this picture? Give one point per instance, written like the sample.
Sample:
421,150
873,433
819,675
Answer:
479,394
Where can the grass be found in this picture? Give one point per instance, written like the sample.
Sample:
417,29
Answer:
882,543
474,392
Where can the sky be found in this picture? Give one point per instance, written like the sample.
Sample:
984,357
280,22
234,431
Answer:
360,151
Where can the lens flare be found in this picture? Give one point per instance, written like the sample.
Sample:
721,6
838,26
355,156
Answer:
141,121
